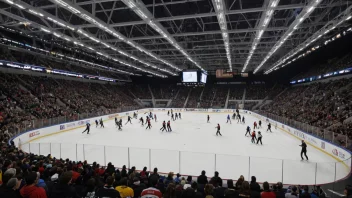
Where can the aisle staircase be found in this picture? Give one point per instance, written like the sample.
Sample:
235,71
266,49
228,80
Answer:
189,93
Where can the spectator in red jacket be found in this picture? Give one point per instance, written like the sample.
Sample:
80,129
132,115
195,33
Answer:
267,193
30,190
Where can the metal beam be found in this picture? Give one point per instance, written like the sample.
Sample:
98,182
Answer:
211,14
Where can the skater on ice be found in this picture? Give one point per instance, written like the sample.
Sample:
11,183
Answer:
141,120
243,121
96,123
169,126
155,117
239,118
119,124
129,120
208,119
260,138
218,130
255,125
228,119
248,131
269,127
135,115
179,115
168,113
149,125
260,124
101,123
87,128
116,122
176,116
254,137
172,117
163,127
304,150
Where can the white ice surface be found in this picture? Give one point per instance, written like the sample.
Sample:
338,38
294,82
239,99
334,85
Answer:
193,147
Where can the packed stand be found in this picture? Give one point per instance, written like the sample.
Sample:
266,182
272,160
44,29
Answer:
207,97
220,96
180,99
26,175
141,91
165,92
256,92
249,105
319,104
236,93
193,99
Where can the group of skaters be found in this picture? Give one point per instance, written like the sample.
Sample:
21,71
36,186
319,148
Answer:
174,116
255,138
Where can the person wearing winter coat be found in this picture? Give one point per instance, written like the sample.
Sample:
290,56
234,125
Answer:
267,193
9,188
30,190
231,192
202,179
280,193
108,190
217,179
254,186
305,193
63,187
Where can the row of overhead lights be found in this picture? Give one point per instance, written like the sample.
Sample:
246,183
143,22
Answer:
293,27
157,27
219,7
62,36
312,39
115,34
268,14
62,56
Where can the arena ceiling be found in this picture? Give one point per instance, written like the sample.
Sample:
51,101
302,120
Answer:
163,37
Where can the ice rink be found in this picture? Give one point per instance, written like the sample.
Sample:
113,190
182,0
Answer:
192,146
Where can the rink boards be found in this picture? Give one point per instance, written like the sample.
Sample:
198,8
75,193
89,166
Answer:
339,154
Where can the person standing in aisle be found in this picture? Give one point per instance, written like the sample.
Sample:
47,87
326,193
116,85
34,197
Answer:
269,127
218,130
304,150
259,138
169,126
87,128
228,119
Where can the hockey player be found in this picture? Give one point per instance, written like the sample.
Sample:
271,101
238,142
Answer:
155,117
260,124
238,118
179,115
129,120
259,138
172,116
237,111
116,122
269,127
141,120
218,130
176,116
168,113
254,137
96,123
248,131
120,125
134,115
169,126
87,128
243,121
163,127
304,149
228,119
101,123
151,115
149,125
255,125
208,119
172,112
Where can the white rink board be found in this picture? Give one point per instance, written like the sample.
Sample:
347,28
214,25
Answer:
193,147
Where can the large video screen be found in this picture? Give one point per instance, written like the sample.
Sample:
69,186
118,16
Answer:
189,76
203,78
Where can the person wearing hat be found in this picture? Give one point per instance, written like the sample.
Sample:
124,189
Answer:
10,189
137,187
292,193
